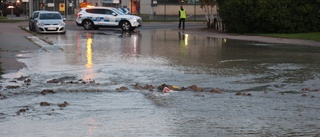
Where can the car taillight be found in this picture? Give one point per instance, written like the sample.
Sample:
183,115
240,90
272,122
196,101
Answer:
78,15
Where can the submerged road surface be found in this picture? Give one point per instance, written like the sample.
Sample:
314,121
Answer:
109,83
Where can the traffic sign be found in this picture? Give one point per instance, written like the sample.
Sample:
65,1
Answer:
61,7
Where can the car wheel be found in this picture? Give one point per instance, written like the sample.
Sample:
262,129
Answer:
125,25
33,27
88,25
30,28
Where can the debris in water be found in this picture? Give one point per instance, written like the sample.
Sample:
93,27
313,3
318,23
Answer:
42,104
47,91
12,87
23,110
166,90
22,78
196,88
64,104
123,88
147,87
243,94
216,90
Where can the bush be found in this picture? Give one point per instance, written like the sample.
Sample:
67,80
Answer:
265,16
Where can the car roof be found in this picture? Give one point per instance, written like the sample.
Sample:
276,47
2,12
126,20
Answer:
50,12
97,8
39,11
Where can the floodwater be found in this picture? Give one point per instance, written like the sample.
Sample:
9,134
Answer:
263,89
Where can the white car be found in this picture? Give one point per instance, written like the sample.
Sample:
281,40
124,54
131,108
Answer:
96,17
49,22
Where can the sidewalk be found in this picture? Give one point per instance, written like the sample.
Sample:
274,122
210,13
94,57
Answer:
12,43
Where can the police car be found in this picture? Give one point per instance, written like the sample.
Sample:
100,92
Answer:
96,17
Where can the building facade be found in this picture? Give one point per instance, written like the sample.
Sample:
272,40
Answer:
148,7
157,7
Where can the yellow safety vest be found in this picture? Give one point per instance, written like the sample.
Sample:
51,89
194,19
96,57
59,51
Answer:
183,14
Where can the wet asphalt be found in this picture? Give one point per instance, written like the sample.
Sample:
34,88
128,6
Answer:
12,43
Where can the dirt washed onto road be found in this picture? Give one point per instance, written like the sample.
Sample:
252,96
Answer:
93,109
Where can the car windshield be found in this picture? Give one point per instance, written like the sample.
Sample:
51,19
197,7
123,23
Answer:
118,11
36,14
50,16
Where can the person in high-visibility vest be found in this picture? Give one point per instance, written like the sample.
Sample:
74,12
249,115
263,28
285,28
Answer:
182,17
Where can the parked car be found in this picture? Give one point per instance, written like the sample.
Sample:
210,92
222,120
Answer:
34,15
96,17
49,22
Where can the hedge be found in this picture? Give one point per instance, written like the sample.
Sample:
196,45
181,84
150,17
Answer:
270,16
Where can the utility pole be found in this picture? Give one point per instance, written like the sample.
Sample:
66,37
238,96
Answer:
30,7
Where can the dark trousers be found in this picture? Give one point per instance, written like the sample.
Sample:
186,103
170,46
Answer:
182,20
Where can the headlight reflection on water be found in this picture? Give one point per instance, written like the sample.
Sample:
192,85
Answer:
88,71
89,53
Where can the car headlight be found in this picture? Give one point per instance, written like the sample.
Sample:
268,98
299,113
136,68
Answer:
134,19
62,23
40,24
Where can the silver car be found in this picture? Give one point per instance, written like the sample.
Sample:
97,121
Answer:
50,22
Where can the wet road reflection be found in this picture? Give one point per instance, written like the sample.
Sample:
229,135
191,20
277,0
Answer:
114,59
89,57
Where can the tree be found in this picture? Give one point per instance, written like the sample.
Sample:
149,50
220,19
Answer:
207,6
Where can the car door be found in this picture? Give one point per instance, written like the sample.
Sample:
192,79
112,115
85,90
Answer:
97,16
110,18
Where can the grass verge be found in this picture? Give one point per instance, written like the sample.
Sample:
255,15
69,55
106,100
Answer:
306,36
7,20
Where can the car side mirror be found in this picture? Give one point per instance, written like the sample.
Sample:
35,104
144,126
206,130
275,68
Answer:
114,14
64,19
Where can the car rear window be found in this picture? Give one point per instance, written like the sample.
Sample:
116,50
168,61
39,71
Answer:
50,16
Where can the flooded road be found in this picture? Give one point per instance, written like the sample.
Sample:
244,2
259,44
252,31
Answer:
244,88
